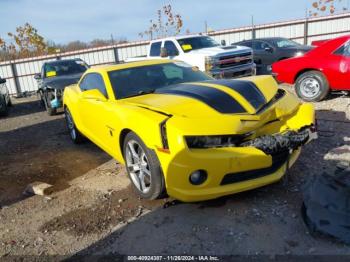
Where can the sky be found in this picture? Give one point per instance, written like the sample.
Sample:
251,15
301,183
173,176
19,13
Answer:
62,21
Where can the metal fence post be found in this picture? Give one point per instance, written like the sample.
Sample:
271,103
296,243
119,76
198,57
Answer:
15,78
306,30
116,56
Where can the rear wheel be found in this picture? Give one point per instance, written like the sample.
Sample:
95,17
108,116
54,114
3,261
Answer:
312,86
74,133
143,168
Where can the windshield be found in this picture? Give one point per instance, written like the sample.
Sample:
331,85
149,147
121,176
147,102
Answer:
194,43
60,68
285,43
146,79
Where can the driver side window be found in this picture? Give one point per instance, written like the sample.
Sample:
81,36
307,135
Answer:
93,81
260,46
171,48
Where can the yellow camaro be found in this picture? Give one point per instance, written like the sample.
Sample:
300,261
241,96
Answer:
181,132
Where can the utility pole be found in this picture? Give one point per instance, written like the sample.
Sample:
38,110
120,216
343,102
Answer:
112,39
253,28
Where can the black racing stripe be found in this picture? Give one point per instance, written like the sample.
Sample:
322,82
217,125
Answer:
217,99
245,88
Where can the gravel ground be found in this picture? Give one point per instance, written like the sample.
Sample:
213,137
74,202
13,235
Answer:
94,211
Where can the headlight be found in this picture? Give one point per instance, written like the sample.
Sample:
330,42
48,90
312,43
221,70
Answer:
299,54
209,61
214,141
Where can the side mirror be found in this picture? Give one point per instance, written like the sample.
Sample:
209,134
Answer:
223,42
37,76
269,49
94,94
2,81
163,52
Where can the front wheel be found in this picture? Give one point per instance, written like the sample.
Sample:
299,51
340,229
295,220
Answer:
312,86
74,133
143,168
47,97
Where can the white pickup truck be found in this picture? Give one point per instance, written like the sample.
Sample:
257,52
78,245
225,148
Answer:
205,53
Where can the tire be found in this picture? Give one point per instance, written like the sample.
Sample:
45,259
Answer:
42,102
312,86
140,162
46,98
9,103
4,110
51,111
74,133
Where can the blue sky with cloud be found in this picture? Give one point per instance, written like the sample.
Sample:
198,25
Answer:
66,20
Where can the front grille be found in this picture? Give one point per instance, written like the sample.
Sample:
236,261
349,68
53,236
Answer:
278,160
235,60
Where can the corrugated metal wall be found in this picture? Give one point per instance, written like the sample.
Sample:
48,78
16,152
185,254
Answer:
19,73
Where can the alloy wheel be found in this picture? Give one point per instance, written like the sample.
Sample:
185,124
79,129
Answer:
70,125
138,166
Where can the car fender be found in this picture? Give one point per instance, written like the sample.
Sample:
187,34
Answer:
70,100
142,121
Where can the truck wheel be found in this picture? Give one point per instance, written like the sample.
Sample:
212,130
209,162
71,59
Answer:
74,133
4,108
143,168
312,86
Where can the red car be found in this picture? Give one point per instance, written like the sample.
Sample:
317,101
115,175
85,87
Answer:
319,71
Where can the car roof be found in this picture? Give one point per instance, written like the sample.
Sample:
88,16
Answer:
177,37
265,39
63,60
112,67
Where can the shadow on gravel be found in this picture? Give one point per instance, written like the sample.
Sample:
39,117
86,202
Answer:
264,221
42,152
25,108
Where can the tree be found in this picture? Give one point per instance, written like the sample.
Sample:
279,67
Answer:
75,45
327,7
27,41
167,24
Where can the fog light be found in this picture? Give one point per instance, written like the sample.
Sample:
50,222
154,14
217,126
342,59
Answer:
198,177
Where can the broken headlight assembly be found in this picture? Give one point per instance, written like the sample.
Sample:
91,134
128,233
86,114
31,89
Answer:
214,141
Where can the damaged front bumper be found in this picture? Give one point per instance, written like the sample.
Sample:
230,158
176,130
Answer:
287,141
229,170
56,102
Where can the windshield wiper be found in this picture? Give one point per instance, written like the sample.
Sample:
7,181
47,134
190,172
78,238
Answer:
145,92
141,92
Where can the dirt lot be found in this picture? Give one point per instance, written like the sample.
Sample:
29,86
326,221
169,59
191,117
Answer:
93,210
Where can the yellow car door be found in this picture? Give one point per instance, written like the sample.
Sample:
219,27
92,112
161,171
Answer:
95,110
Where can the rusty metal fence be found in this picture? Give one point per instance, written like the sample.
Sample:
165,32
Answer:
19,73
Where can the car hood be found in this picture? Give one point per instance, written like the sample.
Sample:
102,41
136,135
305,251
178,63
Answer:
221,50
211,99
60,82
